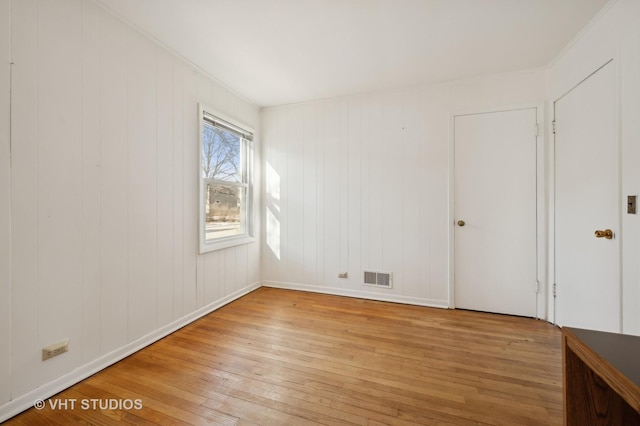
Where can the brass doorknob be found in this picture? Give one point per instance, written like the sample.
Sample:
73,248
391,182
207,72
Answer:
461,223
607,233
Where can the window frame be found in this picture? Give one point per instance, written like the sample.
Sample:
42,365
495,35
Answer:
246,160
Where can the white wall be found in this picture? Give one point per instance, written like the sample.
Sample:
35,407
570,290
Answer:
5,202
361,182
616,35
104,193
98,211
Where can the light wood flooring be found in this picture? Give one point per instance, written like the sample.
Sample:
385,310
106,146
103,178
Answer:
279,357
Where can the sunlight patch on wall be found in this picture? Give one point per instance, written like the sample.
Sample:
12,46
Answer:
273,187
273,233
273,209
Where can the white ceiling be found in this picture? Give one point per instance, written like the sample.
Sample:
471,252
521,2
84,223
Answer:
275,52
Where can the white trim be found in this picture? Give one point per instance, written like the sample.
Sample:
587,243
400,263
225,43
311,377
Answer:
541,235
51,388
24,402
501,108
358,294
213,112
550,213
451,213
249,176
224,243
590,74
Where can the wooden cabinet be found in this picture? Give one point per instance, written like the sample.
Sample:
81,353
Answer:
601,378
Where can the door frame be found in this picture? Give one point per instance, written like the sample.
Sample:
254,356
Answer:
541,202
614,60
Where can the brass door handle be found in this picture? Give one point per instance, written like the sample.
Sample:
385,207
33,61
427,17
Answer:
461,223
607,233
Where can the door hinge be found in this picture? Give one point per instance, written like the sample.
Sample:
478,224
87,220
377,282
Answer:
553,126
554,290
537,286
536,130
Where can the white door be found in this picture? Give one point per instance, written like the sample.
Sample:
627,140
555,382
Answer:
587,269
495,212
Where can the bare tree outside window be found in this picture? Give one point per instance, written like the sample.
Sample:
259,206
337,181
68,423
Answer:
225,182
220,154
221,163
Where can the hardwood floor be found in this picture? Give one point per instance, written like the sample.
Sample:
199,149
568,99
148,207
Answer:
279,357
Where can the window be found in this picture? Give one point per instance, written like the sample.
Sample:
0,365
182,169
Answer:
226,191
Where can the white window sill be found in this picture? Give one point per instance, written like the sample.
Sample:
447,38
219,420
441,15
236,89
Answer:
225,243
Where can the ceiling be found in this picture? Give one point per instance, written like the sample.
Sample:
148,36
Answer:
275,52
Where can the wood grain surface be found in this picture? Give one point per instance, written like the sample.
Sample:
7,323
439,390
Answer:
280,357
595,391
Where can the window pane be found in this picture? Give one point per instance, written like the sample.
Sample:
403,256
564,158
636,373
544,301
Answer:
224,214
221,154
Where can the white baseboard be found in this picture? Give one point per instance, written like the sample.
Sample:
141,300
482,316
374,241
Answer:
432,303
26,401
23,402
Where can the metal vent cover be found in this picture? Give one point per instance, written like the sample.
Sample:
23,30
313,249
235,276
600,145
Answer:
377,279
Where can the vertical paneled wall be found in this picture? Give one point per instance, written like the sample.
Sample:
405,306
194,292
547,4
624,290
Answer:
102,190
359,183
362,182
5,201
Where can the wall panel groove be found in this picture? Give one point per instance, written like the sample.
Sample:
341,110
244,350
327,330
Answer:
5,200
104,192
363,183
91,179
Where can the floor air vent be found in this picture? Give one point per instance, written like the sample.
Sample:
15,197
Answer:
377,279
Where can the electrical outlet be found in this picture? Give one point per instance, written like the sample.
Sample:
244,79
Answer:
55,349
